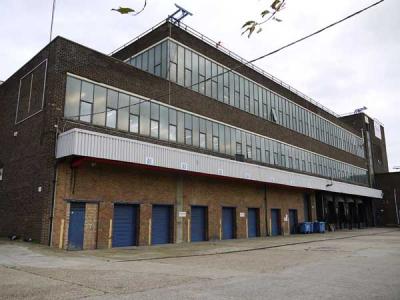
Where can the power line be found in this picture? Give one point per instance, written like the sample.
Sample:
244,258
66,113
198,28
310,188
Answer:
248,62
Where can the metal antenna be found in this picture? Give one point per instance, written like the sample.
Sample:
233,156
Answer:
177,16
52,19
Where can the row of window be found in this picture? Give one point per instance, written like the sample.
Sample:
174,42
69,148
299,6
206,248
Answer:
191,70
102,106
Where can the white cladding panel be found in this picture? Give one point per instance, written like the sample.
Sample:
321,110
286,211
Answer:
93,144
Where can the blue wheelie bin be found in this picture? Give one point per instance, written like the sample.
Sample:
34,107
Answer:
312,229
305,227
319,227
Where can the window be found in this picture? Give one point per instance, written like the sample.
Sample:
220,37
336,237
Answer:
1,174
238,148
215,143
248,152
202,140
154,128
188,136
112,105
134,124
274,117
172,133
86,112
267,157
258,154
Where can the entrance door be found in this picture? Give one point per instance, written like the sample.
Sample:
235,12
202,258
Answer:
161,224
228,223
293,220
252,222
275,221
76,226
198,227
124,228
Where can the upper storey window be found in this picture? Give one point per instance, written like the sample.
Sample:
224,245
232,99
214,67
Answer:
185,67
104,106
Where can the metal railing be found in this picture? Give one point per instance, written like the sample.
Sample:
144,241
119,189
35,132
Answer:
235,56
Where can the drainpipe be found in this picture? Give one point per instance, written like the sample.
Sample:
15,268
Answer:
52,208
266,211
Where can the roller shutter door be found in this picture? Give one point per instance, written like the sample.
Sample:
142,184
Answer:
124,225
228,223
198,223
275,222
161,224
252,222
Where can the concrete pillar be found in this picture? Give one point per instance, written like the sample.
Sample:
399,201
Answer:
180,221
313,203
90,229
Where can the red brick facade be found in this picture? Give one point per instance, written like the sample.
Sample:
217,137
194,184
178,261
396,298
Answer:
102,185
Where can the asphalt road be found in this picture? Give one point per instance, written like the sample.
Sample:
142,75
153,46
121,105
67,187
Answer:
362,267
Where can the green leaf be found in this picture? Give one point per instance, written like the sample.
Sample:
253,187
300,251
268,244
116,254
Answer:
264,13
276,19
124,10
259,30
248,23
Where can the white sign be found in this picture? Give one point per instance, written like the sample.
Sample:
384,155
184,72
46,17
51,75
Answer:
242,214
286,218
182,214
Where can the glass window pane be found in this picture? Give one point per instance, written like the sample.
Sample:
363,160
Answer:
173,53
123,119
154,128
86,112
215,144
134,124
87,91
112,99
195,132
151,60
111,118
72,98
145,118
181,127
188,136
181,65
155,111
99,106
163,123
172,133
202,140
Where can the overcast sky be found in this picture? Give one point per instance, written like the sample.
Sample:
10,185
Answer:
354,64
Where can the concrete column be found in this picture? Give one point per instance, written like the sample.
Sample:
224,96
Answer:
180,222
91,219
313,203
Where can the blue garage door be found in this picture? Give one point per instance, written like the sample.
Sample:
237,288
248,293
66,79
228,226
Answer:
228,223
76,226
275,222
124,225
198,223
252,222
161,224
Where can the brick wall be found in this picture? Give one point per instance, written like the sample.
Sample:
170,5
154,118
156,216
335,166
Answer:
102,185
28,158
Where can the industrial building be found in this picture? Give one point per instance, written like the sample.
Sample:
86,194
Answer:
173,138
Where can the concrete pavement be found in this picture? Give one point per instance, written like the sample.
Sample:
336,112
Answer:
359,264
